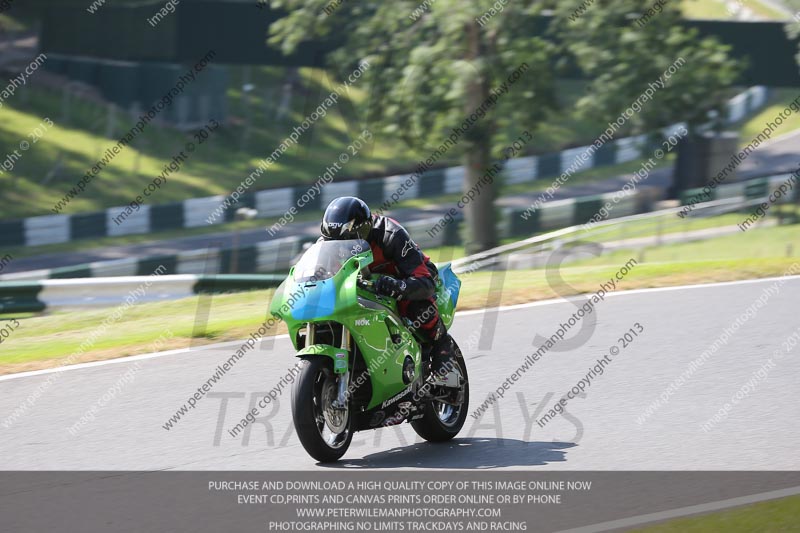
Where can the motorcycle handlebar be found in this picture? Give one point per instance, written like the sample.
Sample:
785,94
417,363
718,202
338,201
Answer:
366,284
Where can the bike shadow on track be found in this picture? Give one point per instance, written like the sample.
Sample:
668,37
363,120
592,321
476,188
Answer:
477,453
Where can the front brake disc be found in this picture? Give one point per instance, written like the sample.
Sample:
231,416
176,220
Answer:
335,419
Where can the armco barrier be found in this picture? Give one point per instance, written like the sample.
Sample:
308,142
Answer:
277,255
236,283
21,297
34,296
750,189
577,211
273,203
37,296
272,256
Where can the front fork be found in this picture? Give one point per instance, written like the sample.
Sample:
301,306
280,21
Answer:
344,378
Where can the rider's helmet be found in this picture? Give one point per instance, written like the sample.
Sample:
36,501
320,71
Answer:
346,218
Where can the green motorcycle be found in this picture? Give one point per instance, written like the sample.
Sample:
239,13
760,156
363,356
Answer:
364,367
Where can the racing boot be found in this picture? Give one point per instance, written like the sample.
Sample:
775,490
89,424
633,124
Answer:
443,369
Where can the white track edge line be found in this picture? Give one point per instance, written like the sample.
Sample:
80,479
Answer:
155,355
130,358
626,293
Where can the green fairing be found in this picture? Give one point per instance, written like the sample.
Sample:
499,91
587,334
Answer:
371,319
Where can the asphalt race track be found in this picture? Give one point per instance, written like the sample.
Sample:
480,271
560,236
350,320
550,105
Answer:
600,431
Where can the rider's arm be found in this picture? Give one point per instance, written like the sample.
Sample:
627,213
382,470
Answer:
410,261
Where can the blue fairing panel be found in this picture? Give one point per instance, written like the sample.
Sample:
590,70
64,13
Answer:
317,300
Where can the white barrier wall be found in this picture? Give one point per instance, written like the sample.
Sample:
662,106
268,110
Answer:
121,267
136,223
274,202
334,190
453,180
197,211
393,184
205,261
521,170
51,229
573,157
557,214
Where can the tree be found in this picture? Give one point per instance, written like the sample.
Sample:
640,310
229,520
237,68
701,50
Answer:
433,69
434,64
793,26
625,45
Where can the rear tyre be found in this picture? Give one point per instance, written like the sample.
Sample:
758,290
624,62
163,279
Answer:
441,420
323,431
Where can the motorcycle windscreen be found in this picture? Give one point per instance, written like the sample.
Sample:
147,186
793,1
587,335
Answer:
313,300
325,258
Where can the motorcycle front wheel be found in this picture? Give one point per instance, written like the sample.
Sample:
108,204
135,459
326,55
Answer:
323,430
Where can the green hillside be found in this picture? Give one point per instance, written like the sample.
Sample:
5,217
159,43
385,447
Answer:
84,130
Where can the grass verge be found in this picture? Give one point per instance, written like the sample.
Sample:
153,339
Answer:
777,515
717,9
778,101
253,131
49,341
764,243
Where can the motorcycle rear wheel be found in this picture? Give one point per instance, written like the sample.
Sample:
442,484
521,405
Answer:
442,421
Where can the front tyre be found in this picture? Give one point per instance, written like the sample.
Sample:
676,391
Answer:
442,419
323,431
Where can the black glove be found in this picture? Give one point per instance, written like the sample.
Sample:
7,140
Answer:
389,286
